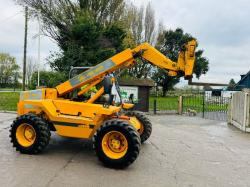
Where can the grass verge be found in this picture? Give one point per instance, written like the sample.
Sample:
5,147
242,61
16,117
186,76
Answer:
8,101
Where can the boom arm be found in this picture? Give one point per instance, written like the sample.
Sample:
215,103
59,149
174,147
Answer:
126,58
185,61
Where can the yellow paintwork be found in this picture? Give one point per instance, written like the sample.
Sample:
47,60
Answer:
51,93
81,119
114,145
96,96
136,123
190,57
25,135
122,57
82,131
172,73
66,87
185,63
118,61
181,61
155,57
89,87
85,117
127,105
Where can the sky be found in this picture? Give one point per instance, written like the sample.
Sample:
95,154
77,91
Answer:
12,35
221,27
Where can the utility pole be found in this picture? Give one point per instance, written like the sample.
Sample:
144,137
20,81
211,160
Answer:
25,46
39,44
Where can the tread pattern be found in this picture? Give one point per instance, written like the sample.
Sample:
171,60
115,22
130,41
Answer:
145,121
133,138
42,133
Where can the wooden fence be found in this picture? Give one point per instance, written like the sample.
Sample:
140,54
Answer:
240,110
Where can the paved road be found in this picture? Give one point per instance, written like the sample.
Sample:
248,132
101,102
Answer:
182,151
9,91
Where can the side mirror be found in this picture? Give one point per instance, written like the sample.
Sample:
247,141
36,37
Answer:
107,84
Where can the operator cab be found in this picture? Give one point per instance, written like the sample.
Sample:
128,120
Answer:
112,90
111,94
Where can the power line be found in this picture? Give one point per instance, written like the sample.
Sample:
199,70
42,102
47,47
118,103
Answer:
10,17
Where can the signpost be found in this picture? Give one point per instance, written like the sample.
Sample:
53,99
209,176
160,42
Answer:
127,92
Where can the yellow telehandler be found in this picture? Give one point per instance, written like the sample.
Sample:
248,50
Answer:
116,130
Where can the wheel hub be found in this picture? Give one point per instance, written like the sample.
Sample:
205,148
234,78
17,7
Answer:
25,135
29,134
114,144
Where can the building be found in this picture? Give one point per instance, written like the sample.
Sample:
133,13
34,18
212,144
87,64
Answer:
139,90
244,82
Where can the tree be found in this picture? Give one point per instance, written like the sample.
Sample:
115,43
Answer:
170,42
231,84
89,44
86,31
30,69
104,11
141,25
58,16
8,69
47,78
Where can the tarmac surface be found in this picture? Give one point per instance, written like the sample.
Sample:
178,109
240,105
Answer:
182,151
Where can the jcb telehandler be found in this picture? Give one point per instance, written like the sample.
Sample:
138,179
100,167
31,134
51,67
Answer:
116,130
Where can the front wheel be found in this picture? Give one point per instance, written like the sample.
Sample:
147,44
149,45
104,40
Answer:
29,134
117,144
146,126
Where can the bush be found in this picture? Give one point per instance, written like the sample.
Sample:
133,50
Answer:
48,79
11,85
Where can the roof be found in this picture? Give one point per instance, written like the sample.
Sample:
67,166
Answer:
240,83
136,82
207,88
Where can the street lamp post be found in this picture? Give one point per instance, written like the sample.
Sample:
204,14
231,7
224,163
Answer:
38,35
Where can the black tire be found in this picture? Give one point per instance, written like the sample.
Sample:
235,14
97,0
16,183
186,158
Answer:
132,138
42,131
147,126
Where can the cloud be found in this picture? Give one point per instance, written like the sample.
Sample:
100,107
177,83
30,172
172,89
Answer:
12,34
221,27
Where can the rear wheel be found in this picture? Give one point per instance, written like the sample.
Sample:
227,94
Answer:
146,126
29,134
117,144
